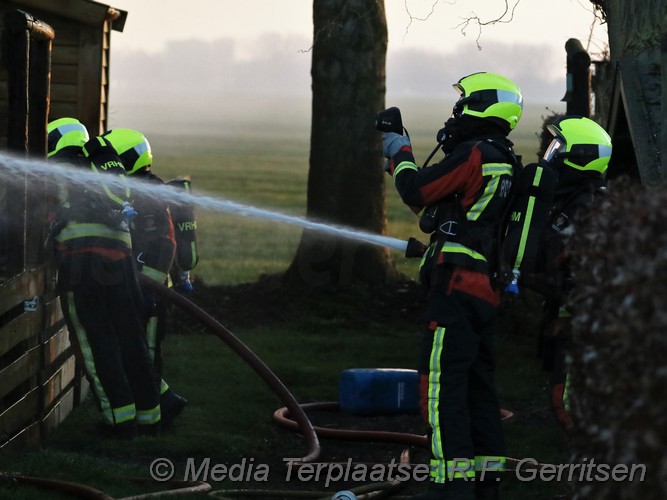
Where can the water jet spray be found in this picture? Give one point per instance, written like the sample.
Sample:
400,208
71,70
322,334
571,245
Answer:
14,168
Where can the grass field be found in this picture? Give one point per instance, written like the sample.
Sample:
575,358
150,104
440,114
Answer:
229,411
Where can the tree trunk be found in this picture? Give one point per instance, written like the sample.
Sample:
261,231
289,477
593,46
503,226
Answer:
346,181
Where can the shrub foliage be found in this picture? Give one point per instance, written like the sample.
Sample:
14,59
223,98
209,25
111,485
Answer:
618,371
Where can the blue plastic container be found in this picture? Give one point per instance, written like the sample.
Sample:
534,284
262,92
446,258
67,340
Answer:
378,391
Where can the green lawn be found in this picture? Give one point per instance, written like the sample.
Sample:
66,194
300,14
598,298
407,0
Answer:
268,173
230,408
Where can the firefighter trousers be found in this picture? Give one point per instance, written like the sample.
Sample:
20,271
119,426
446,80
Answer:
155,325
101,301
458,393
154,316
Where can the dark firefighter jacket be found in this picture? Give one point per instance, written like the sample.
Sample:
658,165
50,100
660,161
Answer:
153,239
571,201
473,184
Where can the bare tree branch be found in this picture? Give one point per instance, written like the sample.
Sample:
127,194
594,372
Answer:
506,17
474,20
598,17
414,18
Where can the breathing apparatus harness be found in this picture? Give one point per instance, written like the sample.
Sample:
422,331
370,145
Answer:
446,221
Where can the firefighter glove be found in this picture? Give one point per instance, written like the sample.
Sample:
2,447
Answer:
392,143
184,283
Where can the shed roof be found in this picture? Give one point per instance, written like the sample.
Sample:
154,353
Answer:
85,11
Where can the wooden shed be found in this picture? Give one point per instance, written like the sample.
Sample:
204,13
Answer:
54,63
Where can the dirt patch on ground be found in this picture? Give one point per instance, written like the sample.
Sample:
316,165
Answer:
268,301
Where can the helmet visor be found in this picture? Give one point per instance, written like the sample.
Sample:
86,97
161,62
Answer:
479,102
556,147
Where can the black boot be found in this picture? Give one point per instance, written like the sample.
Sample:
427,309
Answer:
171,405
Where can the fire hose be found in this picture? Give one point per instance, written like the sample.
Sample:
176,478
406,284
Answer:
180,488
249,357
282,416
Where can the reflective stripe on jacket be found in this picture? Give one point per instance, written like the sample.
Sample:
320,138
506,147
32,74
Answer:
77,235
480,176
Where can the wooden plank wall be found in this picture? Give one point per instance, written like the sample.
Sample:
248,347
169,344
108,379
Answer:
104,84
40,380
65,68
79,77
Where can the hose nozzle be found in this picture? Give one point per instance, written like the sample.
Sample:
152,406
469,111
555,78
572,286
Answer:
415,249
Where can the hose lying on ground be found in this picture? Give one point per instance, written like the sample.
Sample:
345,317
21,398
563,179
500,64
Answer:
181,488
282,417
368,491
249,357
78,490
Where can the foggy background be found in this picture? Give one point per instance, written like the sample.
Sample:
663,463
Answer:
201,87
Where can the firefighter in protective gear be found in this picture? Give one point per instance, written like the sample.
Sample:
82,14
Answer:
579,152
153,245
97,281
461,200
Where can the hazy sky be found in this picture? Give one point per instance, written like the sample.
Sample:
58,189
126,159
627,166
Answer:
153,22
174,51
